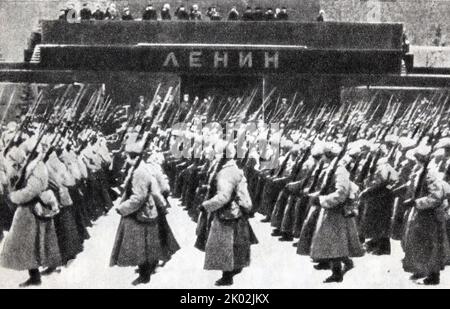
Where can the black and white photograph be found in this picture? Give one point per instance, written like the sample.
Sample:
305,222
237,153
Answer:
233,145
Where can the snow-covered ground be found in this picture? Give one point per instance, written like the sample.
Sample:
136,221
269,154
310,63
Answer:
274,264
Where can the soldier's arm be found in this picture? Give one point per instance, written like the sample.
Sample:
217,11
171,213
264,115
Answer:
434,198
340,194
156,192
225,187
243,196
140,187
163,182
35,185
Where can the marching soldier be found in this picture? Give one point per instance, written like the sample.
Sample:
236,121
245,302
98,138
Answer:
276,182
230,235
69,239
292,204
92,157
425,239
32,241
378,200
143,237
8,134
335,238
405,165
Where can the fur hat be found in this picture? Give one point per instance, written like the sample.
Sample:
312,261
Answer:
29,145
391,139
443,143
420,152
331,147
17,155
406,143
318,149
12,126
135,146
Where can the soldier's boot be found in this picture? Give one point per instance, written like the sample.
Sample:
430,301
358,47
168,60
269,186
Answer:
34,280
417,276
276,233
337,275
153,268
432,279
285,236
362,239
322,265
348,264
266,219
383,246
50,270
227,279
371,245
145,272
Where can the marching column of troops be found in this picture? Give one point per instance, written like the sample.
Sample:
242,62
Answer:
52,190
344,180
347,180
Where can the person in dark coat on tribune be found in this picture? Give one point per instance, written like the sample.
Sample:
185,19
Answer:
149,13
98,14
321,17
62,15
195,13
258,15
215,15
181,13
233,14
270,14
248,14
112,13
165,12
85,12
127,14
283,15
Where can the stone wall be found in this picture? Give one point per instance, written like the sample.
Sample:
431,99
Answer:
421,18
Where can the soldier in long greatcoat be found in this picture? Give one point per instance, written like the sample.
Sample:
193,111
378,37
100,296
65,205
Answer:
378,208
230,235
31,242
143,237
291,205
425,240
405,167
335,237
6,213
281,176
69,239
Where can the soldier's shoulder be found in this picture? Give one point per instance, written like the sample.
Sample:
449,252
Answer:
342,171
